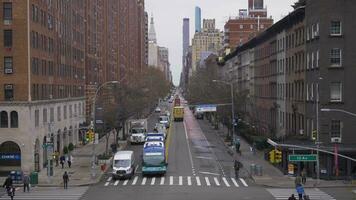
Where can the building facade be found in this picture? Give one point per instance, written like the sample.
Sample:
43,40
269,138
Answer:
197,19
300,84
209,39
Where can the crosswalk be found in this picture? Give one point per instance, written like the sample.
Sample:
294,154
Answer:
313,193
179,181
49,193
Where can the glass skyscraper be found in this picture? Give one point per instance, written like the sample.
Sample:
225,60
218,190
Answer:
197,19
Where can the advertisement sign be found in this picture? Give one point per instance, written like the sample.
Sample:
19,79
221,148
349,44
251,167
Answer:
290,169
10,156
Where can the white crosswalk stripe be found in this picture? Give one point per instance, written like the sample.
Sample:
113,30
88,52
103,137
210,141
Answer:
181,181
54,193
313,193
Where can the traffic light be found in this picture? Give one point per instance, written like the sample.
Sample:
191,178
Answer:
91,136
87,136
272,158
314,135
278,156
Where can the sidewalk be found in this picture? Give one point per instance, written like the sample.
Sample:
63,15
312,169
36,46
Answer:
271,176
80,173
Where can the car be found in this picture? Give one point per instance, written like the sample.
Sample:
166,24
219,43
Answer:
123,165
158,110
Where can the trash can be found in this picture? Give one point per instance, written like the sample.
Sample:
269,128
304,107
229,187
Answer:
253,169
258,170
34,178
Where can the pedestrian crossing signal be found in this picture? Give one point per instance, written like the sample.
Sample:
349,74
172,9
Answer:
87,136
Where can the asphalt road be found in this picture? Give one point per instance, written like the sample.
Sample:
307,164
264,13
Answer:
199,167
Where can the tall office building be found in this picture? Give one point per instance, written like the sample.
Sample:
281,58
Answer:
186,36
197,19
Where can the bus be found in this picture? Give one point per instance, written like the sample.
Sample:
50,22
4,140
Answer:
178,113
154,159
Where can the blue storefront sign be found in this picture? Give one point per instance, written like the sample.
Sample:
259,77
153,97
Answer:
10,156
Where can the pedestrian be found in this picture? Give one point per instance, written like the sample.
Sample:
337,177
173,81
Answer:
306,197
237,168
62,160
237,145
56,157
297,181
300,191
65,180
69,161
26,183
304,177
292,197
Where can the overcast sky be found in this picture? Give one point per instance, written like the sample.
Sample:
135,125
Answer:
168,17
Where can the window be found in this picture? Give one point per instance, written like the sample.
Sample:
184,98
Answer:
312,60
307,86
7,11
335,128
335,28
308,61
51,115
241,26
37,118
8,65
59,113
70,111
308,33
14,123
317,59
4,120
335,57
251,26
44,113
9,92
64,112
7,38
336,92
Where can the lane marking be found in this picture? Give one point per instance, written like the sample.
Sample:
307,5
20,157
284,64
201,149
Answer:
207,181
202,157
109,179
189,150
125,182
116,183
144,181
171,180
189,180
135,180
153,180
180,180
198,180
226,182
210,173
168,140
106,184
216,181
162,181
243,182
235,182
136,168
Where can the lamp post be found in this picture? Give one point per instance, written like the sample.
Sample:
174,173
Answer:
232,104
336,145
94,121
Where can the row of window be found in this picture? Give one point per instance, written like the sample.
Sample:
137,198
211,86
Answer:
42,42
62,112
41,16
46,91
4,120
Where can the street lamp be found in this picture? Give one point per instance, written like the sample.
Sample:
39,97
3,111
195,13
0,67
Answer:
232,104
94,121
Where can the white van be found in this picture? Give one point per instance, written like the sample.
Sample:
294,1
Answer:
123,165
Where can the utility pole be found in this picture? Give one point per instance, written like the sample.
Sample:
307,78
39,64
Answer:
317,135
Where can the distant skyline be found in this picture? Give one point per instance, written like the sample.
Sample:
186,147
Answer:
168,17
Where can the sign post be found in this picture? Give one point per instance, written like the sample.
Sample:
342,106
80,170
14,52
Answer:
302,158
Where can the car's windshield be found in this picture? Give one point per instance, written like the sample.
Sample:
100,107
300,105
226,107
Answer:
155,159
137,130
163,118
122,163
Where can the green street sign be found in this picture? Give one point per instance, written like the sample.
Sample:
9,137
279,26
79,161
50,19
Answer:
302,158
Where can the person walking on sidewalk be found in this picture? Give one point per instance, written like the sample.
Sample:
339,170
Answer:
56,158
300,191
297,181
62,160
237,146
304,177
69,161
26,183
65,180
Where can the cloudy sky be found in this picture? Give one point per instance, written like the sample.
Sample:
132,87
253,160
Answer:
168,16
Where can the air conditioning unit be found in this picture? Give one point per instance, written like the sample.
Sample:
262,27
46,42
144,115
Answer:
8,87
7,22
8,71
336,140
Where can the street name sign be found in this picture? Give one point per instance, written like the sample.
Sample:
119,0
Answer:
302,157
